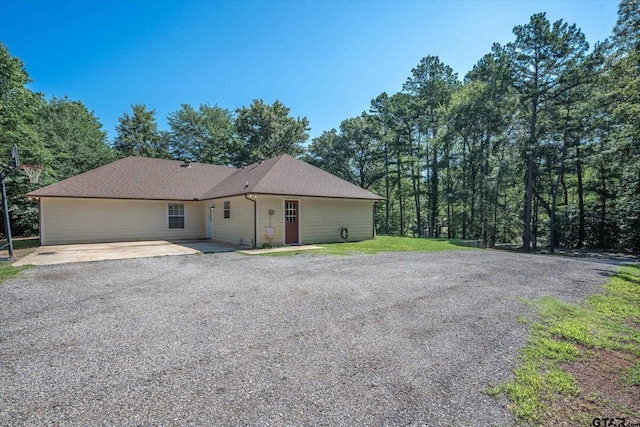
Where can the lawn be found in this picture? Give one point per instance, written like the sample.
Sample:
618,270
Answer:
384,244
582,361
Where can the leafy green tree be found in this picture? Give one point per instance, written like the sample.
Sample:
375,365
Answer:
353,154
138,135
267,131
328,153
18,118
75,135
358,136
204,135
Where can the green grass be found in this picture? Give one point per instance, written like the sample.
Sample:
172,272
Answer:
632,375
7,271
383,244
607,321
26,243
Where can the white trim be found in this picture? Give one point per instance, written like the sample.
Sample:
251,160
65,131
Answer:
41,220
256,222
184,215
209,220
224,209
284,224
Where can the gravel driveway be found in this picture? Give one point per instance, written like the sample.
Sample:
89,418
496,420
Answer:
228,339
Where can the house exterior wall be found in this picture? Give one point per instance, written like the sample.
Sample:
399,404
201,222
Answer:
73,220
70,220
320,219
275,221
238,228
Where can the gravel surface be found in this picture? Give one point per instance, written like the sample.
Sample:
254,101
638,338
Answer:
228,339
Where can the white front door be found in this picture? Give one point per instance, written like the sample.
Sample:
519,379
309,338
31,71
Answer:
209,219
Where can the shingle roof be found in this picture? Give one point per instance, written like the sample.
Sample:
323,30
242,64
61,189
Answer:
158,179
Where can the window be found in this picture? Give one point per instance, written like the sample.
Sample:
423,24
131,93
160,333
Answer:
176,215
227,209
290,212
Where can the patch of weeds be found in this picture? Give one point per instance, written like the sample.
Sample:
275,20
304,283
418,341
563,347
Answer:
538,377
603,324
632,375
8,271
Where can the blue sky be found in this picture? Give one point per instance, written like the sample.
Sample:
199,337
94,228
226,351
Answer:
324,59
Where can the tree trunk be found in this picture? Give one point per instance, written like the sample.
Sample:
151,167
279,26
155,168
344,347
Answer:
434,191
554,199
399,176
464,187
603,207
415,178
484,192
449,190
386,186
534,225
526,235
581,226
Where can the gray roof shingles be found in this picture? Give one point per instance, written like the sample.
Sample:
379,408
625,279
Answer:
158,179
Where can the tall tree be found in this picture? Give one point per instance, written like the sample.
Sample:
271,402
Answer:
432,83
19,107
204,135
399,112
268,130
542,56
380,115
138,135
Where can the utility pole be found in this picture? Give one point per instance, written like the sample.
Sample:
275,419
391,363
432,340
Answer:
6,171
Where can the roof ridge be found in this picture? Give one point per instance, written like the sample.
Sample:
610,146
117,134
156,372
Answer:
279,158
251,186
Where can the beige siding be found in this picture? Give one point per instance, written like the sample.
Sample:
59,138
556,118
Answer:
323,218
320,219
98,220
237,229
275,221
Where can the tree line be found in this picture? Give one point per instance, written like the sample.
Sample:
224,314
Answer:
539,144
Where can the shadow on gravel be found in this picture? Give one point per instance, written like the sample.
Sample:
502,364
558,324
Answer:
590,255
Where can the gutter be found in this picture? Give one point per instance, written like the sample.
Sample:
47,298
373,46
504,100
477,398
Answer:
255,219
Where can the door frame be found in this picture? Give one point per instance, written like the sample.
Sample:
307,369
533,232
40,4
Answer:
284,223
209,218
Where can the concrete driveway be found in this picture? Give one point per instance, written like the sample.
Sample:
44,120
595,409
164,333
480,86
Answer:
390,339
62,254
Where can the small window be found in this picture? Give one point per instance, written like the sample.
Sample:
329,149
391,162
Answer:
176,215
227,209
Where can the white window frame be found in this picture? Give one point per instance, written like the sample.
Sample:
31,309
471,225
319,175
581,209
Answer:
183,216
